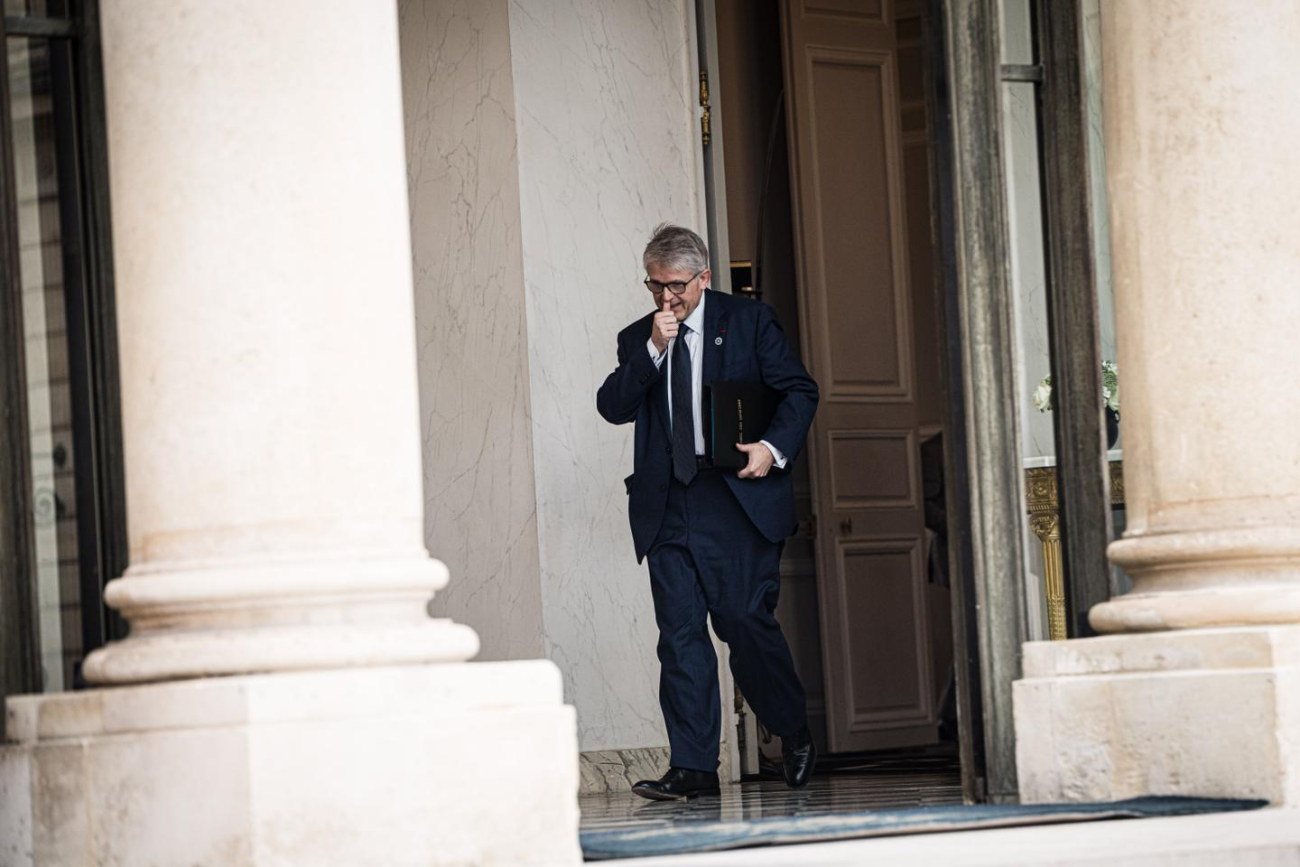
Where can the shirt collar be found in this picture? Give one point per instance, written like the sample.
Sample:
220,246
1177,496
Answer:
695,321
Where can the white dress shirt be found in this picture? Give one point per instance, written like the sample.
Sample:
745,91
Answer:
695,346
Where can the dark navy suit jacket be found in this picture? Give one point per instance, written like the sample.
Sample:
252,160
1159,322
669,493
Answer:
753,349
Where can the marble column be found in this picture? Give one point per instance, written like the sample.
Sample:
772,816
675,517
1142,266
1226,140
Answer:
269,401
1201,122
274,494
1198,690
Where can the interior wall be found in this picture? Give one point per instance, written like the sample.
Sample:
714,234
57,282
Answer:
463,177
607,143
545,140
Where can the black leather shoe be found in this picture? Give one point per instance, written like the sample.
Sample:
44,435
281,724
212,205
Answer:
679,783
798,756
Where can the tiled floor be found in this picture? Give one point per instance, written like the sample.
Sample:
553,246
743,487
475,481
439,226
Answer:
870,786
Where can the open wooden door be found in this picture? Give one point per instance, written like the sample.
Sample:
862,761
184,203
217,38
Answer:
852,262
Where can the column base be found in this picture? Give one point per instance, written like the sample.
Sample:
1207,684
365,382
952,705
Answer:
1205,712
459,764
1191,579
271,613
167,656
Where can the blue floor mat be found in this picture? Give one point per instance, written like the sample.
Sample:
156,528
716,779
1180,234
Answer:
708,836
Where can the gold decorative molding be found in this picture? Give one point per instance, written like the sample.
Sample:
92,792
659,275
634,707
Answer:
1044,505
1047,527
1040,492
1117,483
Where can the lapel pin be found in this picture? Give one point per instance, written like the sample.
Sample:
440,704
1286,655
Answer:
717,341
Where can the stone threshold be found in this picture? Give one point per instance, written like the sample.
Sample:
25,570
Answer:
1268,838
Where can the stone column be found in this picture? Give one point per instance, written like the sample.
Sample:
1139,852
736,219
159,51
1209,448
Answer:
269,401
274,495
1198,690
1201,121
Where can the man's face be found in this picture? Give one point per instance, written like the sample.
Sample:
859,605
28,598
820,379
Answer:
681,305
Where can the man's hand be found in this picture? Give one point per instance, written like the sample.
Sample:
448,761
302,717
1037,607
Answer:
760,460
665,326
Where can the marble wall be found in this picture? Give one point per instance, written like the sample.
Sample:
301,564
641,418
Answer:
462,171
545,139
606,125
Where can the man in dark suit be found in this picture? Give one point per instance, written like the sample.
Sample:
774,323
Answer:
713,539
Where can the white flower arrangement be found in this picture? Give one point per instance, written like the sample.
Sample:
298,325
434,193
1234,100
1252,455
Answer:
1109,389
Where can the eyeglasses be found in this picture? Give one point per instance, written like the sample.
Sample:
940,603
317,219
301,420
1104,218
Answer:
676,287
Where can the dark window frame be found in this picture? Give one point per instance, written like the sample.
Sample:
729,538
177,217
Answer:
1073,317
986,496
82,159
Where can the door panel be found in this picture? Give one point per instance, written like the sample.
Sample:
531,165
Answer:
878,585
846,161
853,158
874,469
873,10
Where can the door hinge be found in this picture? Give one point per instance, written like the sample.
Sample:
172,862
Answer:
705,134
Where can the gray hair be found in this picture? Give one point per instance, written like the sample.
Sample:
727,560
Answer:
677,248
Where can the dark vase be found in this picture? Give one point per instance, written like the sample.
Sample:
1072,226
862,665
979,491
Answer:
1112,427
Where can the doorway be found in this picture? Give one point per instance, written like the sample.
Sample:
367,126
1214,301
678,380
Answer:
827,162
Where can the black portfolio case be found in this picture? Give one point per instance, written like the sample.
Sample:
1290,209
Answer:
736,412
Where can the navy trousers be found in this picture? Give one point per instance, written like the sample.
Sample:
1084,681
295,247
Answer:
710,560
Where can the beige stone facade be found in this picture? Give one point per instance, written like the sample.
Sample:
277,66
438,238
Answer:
269,407
1195,690
364,268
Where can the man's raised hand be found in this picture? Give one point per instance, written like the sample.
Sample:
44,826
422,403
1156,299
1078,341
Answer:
665,327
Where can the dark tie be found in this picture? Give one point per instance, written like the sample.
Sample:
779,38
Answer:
683,413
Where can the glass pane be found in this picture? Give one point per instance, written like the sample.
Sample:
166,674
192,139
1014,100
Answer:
1029,285
1120,582
37,8
1016,31
49,403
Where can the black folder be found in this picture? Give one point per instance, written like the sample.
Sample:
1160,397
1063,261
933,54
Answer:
737,412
